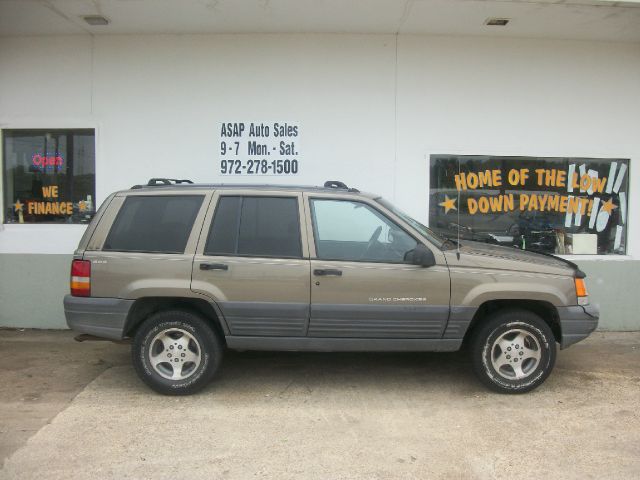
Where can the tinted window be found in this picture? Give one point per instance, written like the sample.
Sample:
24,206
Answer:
354,231
256,226
223,239
154,224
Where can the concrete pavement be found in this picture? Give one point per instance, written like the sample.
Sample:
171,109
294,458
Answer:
78,411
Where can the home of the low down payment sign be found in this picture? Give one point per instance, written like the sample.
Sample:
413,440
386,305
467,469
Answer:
575,191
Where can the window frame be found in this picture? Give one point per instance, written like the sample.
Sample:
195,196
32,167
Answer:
194,227
312,220
43,130
300,219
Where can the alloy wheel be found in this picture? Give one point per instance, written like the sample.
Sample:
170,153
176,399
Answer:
175,354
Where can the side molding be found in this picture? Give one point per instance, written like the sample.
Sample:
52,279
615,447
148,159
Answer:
343,344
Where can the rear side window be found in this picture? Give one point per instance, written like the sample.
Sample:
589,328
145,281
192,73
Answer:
255,226
159,224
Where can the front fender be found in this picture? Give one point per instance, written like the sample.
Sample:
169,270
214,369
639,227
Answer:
521,290
471,287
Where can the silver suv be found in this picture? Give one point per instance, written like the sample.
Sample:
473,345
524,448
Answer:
187,270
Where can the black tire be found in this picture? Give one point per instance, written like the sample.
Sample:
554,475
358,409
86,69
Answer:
203,340
503,379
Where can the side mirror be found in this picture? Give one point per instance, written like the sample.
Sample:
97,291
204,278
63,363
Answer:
420,255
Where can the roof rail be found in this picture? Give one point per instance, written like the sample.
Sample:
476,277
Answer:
155,182
341,185
166,181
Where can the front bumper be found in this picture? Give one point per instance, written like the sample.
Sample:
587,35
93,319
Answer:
577,322
101,317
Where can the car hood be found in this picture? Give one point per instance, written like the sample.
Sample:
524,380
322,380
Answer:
477,254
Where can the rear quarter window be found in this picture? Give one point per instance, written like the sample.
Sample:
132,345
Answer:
154,224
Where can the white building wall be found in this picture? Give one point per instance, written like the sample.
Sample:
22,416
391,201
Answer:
159,102
371,108
370,111
487,96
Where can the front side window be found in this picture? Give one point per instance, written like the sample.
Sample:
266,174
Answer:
49,176
153,224
545,204
353,231
255,226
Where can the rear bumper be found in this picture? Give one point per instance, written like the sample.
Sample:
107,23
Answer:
102,317
577,322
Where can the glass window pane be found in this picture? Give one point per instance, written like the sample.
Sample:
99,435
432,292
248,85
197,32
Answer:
354,231
49,176
547,204
154,224
255,226
223,236
270,227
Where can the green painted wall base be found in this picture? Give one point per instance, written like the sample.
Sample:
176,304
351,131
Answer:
31,290
612,286
32,287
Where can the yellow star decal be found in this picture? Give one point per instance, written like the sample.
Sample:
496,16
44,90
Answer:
448,204
18,206
608,206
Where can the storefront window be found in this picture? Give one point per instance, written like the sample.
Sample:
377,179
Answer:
550,205
49,176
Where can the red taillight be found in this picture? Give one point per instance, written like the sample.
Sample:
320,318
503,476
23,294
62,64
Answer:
81,278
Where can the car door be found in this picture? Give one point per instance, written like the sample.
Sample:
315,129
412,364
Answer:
361,285
252,260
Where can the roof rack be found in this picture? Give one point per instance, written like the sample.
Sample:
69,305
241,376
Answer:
166,181
155,182
340,185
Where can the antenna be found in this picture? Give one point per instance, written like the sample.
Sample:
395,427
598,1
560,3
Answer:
458,222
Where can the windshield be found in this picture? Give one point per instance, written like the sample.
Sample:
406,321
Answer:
425,231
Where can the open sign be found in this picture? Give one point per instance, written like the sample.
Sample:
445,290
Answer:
47,163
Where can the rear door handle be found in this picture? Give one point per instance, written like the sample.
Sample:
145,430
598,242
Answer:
214,266
326,272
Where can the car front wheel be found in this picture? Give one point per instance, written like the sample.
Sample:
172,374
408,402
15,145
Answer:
176,352
514,351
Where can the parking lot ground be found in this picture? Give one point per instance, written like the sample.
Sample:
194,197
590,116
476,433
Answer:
70,410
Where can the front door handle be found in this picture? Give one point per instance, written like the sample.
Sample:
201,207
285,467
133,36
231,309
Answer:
214,266
320,272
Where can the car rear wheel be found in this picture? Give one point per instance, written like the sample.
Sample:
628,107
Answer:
176,352
514,351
